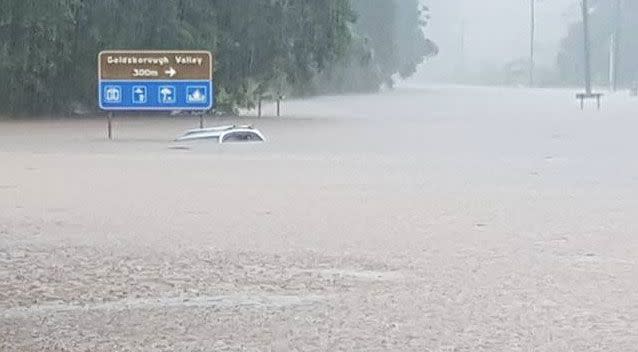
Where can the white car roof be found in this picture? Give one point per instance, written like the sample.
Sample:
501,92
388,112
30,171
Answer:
202,135
217,133
215,129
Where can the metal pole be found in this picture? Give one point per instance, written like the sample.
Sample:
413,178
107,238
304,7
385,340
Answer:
259,107
587,50
616,48
462,56
612,62
532,4
201,121
109,125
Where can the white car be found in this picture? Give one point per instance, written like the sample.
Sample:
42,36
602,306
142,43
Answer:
224,134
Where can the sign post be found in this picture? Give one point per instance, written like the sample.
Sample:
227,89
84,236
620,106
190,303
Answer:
587,61
146,80
109,126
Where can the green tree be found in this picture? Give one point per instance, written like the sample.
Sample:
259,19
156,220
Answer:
48,49
388,40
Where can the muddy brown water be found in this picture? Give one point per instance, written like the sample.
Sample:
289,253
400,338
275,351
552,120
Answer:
424,219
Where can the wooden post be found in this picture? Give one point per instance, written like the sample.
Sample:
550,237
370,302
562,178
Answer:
109,124
278,105
598,101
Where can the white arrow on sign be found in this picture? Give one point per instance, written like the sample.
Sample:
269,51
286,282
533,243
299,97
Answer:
170,72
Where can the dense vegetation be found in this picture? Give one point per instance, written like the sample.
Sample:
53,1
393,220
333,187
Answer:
603,20
48,49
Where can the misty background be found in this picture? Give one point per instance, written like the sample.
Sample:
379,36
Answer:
495,33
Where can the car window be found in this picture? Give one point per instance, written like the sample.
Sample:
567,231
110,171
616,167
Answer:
241,137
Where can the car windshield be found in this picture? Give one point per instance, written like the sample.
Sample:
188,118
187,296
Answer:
318,175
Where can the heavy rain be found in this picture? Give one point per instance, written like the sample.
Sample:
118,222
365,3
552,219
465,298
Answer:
358,175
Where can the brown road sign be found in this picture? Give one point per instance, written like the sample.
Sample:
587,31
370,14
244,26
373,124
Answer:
145,65
163,80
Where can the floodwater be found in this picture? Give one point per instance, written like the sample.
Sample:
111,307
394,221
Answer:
424,219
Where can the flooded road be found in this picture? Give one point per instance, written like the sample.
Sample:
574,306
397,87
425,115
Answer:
423,219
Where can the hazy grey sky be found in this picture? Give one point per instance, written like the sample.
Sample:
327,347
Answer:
496,32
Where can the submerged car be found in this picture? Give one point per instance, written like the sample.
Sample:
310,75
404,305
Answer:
224,134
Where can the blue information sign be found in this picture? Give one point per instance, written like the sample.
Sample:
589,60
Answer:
155,80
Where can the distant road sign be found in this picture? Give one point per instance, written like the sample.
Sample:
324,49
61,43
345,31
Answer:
155,80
